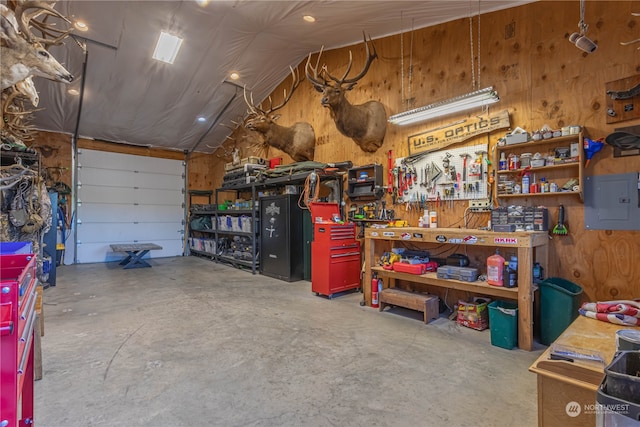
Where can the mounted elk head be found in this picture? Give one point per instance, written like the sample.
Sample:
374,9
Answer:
366,124
298,140
23,54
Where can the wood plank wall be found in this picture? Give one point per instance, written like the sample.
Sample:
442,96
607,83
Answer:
541,79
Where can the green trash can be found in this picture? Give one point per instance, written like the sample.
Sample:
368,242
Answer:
503,321
559,304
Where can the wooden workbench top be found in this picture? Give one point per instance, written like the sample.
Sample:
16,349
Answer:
590,335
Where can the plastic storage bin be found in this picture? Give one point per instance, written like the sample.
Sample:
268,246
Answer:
615,412
559,304
622,379
16,248
503,321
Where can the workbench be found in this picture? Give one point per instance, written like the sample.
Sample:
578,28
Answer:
531,247
560,382
135,252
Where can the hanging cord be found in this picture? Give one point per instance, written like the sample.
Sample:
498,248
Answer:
583,27
305,196
479,68
403,99
410,95
473,73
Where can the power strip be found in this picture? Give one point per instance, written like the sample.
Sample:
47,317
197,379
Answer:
480,205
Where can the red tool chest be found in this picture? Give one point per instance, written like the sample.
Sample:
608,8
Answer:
335,252
17,317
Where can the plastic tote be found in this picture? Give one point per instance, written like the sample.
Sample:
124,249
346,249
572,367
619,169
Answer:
559,304
503,321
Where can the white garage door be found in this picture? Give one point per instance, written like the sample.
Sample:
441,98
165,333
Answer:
124,198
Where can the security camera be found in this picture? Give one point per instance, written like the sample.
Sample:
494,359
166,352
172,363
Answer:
583,42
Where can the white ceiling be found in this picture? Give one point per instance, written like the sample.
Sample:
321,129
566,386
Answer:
131,98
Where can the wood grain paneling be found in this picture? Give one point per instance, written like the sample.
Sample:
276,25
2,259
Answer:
541,79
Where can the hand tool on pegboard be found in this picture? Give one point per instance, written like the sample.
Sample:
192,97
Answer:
390,171
560,228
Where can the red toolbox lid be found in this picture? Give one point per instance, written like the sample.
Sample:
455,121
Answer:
323,211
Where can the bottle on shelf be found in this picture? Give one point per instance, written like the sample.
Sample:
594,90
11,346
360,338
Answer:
503,162
495,268
525,183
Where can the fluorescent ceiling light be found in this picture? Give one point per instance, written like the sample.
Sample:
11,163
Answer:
476,99
167,48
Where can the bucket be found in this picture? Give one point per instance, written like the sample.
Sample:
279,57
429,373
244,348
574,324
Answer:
628,339
559,304
503,321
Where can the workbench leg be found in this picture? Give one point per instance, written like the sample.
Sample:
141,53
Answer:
368,263
525,299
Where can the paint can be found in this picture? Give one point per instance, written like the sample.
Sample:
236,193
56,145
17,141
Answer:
627,339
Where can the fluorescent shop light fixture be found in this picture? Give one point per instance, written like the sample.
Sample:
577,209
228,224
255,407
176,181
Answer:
167,48
471,100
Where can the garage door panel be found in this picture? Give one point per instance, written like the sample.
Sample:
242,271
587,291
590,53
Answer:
158,181
105,195
106,178
128,232
128,162
158,197
112,213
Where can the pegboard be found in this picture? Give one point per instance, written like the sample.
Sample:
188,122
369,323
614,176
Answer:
433,176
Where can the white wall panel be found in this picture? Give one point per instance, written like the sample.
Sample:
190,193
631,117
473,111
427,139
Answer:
128,199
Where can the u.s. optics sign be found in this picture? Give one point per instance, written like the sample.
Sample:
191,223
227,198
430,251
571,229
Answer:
457,132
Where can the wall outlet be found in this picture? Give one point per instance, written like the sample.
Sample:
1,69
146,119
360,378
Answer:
480,205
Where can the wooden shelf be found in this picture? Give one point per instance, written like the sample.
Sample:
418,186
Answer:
549,141
542,168
525,195
432,279
558,173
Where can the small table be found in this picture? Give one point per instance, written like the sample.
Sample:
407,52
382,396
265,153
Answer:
136,251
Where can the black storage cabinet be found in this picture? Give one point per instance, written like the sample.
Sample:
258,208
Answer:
281,238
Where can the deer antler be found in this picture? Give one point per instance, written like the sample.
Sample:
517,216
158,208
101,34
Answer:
26,20
370,58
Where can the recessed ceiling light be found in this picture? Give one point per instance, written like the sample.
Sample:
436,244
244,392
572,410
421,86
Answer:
81,26
202,119
202,3
73,92
309,18
234,76
167,48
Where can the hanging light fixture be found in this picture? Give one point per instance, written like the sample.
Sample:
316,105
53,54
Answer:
477,99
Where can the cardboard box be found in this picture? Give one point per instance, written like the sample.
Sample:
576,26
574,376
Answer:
474,314
517,138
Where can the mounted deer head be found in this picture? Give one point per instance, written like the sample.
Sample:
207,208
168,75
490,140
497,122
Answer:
25,56
366,124
298,140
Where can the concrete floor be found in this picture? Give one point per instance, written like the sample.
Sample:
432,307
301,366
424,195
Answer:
191,342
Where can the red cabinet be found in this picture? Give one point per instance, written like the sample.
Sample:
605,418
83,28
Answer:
17,317
335,252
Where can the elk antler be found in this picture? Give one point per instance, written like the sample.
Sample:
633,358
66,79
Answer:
353,80
257,110
315,80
